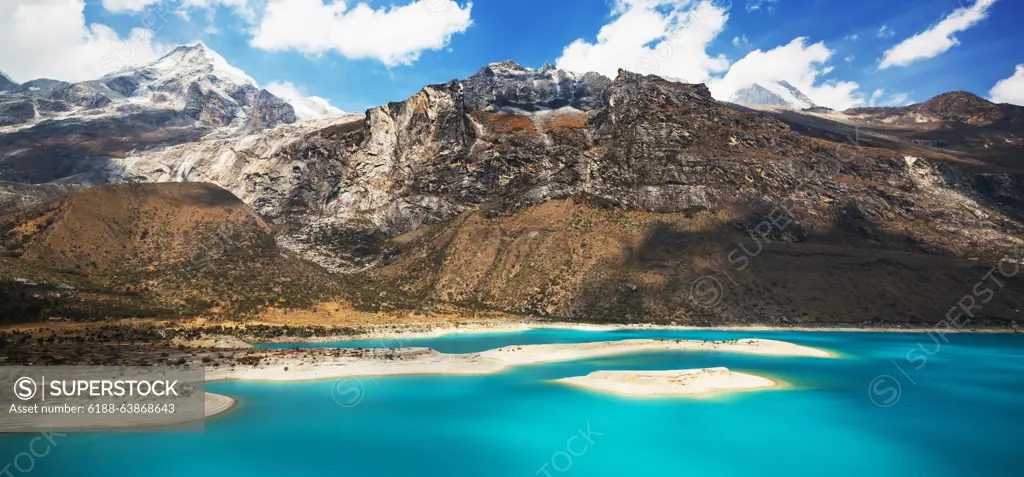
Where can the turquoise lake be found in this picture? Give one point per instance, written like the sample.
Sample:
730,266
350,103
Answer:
870,412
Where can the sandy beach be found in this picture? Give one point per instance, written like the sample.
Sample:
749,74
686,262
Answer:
407,361
683,382
218,404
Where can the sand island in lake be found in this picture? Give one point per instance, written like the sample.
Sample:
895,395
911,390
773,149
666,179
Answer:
679,382
339,363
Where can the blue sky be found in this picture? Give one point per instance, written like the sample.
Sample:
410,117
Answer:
359,62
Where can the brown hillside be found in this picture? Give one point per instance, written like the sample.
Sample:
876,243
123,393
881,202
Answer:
113,229
134,250
581,261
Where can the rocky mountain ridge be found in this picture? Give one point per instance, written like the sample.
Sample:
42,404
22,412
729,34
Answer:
545,192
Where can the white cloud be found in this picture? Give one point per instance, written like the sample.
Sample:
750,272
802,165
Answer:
796,63
899,99
241,7
886,32
213,3
880,98
1010,90
755,5
135,6
937,39
740,41
49,38
876,96
852,37
664,37
669,38
393,36
122,6
306,107
848,58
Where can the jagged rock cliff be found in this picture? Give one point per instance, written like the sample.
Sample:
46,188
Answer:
547,192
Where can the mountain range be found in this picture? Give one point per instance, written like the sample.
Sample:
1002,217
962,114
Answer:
519,190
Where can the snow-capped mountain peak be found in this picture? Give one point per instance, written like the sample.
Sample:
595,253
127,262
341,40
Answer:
772,93
188,62
192,86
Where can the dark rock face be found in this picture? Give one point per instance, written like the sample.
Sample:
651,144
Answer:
125,85
6,84
16,112
507,84
208,106
83,147
264,109
269,111
653,145
43,86
85,95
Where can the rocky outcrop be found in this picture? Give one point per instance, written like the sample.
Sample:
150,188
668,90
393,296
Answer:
17,112
6,85
510,85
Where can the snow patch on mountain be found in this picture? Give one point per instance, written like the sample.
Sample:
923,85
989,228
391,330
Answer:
306,107
192,62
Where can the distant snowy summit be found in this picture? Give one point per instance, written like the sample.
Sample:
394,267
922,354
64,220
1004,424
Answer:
772,93
190,82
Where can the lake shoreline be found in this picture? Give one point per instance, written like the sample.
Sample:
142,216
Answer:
434,330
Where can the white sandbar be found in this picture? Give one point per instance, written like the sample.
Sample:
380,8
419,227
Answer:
680,382
426,361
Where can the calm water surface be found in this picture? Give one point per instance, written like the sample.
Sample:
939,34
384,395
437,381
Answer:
871,412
